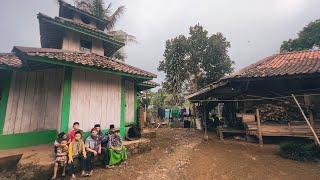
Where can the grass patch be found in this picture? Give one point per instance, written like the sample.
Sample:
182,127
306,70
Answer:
299,151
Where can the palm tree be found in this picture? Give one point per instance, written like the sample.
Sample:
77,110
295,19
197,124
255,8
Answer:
97,8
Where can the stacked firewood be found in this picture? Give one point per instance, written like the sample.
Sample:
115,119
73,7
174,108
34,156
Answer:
279,113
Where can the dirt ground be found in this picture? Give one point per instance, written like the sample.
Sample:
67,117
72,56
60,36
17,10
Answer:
183,154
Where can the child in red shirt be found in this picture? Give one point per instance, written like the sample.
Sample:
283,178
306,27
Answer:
76,128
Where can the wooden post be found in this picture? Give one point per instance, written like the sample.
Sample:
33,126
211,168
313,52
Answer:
307,100
145,114
306,119
205,121
259,128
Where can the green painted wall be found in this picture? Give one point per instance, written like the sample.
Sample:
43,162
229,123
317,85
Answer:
5,82
122,108
135,116
27,139
65,109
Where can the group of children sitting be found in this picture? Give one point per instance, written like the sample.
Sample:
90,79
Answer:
72,147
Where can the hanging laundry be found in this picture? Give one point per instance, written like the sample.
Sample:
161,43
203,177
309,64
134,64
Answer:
167,114
175,112
161,113
183,111
188,112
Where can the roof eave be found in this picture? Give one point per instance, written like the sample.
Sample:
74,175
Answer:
117,44
72,64
69,6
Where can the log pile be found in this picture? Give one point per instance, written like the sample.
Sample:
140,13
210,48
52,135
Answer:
279,113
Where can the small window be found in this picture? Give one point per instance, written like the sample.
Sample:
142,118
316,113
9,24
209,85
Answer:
85,20
85,45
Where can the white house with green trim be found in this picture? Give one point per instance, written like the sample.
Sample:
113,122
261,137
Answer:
72,77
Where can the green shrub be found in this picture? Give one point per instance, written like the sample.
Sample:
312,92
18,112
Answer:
299,151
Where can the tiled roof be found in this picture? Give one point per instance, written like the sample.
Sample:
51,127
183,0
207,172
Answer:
149,83
278,65
79,26
10,60
69,6
290,63
86,59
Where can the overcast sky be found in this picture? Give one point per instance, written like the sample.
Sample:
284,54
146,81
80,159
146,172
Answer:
255,28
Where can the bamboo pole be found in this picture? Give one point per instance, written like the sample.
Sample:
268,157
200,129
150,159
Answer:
259,128
305,118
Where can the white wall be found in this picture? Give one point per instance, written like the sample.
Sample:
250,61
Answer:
95,98
129,92
34,102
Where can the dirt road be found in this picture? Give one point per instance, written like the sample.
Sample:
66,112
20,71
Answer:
182,154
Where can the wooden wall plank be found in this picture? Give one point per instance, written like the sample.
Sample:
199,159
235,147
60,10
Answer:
75,98
129,95
28,102
35,115
28,108
10,107
39,113
22,94
97,97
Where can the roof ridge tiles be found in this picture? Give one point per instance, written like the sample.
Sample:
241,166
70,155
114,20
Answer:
296,52
89,59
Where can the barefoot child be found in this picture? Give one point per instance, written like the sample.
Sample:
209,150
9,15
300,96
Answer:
77,151
61,157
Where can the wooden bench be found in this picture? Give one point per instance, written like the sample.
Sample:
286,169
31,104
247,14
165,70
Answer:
221,130
294,129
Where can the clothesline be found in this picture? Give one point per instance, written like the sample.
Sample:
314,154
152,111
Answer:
252,99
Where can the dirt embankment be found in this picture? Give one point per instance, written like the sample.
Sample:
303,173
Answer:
182,154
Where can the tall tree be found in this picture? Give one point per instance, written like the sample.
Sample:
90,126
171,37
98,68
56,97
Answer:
175,66
308,38
195,61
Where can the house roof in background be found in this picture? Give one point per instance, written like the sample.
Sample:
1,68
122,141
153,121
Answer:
147,85
278,65
283,64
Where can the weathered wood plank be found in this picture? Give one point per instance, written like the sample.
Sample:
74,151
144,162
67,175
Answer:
12,105
19,111
28,102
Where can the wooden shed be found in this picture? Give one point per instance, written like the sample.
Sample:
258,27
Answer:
268,86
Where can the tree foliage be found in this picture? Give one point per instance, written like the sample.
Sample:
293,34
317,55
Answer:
195,61
308,38
175,65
